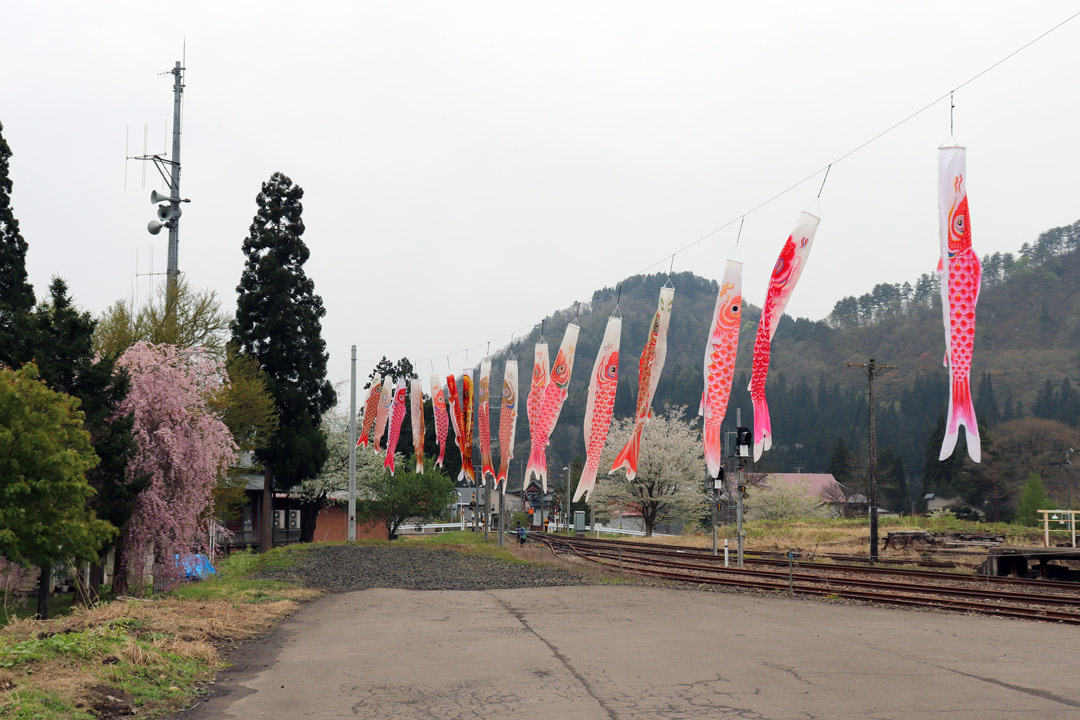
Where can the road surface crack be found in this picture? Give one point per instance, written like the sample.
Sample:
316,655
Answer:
558,656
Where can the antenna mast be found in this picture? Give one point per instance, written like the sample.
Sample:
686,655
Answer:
168,211
174,185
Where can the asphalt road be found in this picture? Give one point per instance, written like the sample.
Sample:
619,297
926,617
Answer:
624,652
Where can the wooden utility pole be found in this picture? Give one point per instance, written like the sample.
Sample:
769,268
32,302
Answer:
872,369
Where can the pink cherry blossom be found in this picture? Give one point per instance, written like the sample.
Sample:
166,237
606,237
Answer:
183,446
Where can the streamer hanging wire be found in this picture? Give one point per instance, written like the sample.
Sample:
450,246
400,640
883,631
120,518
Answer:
618,297
952,106
873,139
739,236
667,283
820,188
846,155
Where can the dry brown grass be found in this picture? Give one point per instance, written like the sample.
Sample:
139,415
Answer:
175,640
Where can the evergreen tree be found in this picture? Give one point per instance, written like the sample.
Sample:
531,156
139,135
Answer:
62,337
842,465
943,477
893,480
1068,404
16,293
1033,497
1045,403
278,322
986,402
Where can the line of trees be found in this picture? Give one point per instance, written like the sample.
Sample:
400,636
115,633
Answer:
122,432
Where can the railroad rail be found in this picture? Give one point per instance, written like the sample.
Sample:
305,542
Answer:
989,595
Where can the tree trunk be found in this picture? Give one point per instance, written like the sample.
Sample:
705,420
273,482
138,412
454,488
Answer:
309,514
97,574
120,573
266,523
43,592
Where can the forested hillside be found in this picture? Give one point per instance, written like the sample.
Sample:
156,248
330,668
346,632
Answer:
1027,344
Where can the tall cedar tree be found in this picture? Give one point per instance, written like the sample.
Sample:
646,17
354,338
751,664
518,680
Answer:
278,322
62,341
16,293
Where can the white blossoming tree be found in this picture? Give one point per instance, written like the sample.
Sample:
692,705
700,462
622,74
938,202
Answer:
670,474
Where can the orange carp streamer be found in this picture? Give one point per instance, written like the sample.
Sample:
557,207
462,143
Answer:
649,367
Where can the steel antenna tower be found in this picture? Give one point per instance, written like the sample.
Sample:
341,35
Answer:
169,206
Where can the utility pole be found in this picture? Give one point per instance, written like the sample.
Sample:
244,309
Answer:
487,505
352,449
872,369
566,501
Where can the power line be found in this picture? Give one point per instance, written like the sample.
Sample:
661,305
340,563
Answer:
670,257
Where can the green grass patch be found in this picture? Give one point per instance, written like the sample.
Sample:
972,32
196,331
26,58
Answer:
466,542
26,607
141,657
34,704
89,643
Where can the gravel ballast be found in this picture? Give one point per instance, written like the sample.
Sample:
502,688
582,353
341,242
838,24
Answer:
360,567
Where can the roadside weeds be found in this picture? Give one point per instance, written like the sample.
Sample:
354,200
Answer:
133,656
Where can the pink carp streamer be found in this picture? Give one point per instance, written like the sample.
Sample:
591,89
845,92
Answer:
442,420
507,421
483,403
785,276
416,410
547,415
382,416
961,279
650,365
540,375
720,354
600,405
467,428
398,415
457,419
371,409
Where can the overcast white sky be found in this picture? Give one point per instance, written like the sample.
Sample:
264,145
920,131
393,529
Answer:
455,154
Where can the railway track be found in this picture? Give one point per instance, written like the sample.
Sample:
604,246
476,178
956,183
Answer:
1005,597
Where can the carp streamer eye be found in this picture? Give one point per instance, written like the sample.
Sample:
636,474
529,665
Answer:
734,308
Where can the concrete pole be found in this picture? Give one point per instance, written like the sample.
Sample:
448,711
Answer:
566,503
873,469
487,505
352,450
738,494
714,498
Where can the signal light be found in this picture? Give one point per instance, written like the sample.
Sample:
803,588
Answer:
742,442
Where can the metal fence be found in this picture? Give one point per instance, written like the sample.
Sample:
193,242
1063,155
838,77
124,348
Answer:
246,538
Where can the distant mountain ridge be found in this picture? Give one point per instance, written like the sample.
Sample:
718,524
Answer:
1028,333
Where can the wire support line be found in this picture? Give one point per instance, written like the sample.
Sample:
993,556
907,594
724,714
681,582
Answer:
824,169
862,145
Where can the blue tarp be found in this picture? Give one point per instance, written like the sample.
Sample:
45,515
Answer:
195,566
